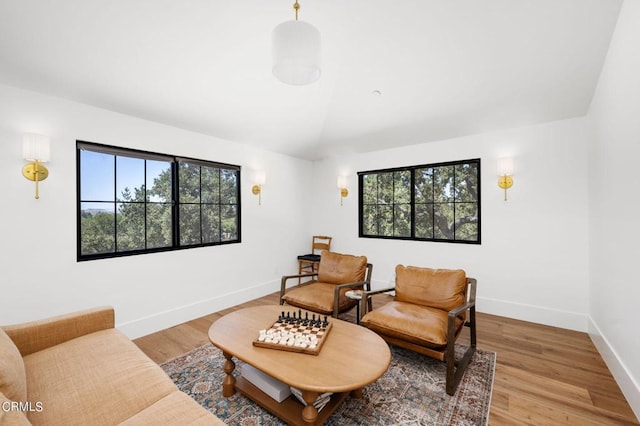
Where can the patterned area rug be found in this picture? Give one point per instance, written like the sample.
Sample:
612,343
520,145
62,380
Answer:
411,392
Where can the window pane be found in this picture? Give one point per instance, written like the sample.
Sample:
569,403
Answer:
385,221
129,179
466,221
385,188
159,229
424,185
97,173
189,224
402,220
369,220
229,223
210,224
97,229
370,188
466,182
402,187
159,181
424,221
443,215
130,226
210,185
189,186
228,186
443,183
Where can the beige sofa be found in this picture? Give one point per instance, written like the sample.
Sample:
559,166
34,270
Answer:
77,369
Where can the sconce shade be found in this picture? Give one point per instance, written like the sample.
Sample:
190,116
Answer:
259,178
36,147
505,166
342,182
296,53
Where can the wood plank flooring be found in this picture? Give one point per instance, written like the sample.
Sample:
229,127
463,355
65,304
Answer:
544,375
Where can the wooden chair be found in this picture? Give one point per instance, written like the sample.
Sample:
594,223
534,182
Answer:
309,262
326,292
427,315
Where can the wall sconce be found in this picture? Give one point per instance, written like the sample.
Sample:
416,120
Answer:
342,186
37,149
505,171
259,179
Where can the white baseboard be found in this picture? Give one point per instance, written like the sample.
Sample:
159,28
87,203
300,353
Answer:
630,388
162,320
532,313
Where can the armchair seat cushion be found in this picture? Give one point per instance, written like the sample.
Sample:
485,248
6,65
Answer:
318,297
422,325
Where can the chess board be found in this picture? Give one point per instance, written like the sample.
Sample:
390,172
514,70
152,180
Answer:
301,333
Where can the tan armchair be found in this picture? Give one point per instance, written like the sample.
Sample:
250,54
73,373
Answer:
427,315
325,292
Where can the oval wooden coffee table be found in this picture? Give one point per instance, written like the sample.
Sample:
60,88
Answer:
351,358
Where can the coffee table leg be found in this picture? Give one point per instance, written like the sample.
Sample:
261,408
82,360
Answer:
309,413
229,382
357,393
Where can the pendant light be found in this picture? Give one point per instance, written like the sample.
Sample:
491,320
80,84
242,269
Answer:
296,51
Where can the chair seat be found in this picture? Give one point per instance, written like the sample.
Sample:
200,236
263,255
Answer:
318,297
418,324
310,257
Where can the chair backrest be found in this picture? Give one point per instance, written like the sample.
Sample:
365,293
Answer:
436,288
337,268
320,243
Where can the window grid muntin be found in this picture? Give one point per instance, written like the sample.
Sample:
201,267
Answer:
452,201
173,203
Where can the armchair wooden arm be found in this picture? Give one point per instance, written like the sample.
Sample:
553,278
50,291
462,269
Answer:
283,282
37,335
366,304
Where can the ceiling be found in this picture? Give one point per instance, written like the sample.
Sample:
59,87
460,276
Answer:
444,68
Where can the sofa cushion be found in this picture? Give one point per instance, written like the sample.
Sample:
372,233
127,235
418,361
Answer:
13,382
437,288
177,408
99,379
418,324
318,297
9,415
336,268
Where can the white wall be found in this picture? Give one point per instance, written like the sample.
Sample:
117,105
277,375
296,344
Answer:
40,275
532,263
613,226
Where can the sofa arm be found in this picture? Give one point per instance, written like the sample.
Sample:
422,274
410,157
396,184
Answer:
37,335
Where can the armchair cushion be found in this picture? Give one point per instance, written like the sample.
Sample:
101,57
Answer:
437,288
422,325
13,379
336,268
318,297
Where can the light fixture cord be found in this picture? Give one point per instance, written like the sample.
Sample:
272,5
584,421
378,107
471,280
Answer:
296,7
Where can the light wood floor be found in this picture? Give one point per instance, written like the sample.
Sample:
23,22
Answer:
544,375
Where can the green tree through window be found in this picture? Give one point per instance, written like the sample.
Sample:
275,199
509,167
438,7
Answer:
433,202
132,202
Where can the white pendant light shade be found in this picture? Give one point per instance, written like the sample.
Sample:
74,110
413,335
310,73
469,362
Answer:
296,53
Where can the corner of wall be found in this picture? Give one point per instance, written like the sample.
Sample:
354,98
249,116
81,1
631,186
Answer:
630,388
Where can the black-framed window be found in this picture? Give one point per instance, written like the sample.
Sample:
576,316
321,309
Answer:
429,202
133,202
